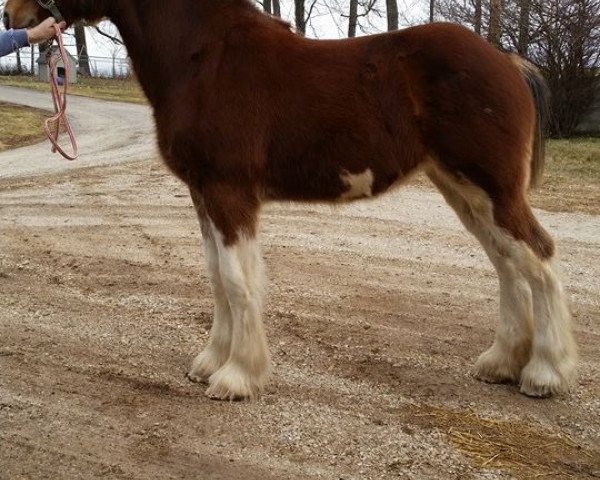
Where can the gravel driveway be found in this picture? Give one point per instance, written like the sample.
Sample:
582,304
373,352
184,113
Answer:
376,313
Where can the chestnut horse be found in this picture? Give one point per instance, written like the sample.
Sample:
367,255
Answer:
247,112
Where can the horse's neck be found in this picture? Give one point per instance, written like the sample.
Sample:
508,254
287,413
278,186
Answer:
160,40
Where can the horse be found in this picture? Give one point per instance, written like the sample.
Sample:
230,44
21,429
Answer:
247,111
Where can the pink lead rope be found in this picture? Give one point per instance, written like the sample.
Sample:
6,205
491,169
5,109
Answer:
53,124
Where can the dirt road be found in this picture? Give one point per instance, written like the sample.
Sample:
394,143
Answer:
376,313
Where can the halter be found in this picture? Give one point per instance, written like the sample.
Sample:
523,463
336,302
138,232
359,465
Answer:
50,5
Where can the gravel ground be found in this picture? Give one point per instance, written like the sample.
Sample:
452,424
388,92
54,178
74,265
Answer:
376,313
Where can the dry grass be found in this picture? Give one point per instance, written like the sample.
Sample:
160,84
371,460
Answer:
20,126
516,447
122,90
571,181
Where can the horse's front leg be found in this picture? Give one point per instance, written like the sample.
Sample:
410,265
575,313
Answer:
217,351
231,220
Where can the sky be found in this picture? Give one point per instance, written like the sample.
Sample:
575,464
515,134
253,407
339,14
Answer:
327,22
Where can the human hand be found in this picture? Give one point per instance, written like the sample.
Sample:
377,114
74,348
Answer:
44,31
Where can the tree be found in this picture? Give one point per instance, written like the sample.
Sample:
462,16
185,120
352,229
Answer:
300,16
392,14
523,42
565,43
495,28
478,16
358,9
353,18
272,7
82,50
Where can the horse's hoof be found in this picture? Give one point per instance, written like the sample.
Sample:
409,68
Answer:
232,382
492,368
204,365
195,378
542,380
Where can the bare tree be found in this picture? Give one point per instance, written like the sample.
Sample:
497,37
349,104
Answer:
300,16
566,44
353,18
392,14
82,50
357,10
112,38
478,16
431,10
495,29
19,63
273,7
277,8
523,42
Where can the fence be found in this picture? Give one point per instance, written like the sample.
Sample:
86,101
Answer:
114,67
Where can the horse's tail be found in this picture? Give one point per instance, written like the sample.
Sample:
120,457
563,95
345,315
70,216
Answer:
541,96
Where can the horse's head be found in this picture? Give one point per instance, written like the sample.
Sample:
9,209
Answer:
23,13
28,13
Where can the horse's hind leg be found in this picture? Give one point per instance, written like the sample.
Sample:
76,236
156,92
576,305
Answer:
217,351
511,348
533,343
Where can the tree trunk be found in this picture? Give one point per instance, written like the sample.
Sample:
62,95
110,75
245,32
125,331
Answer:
523,45
392,14
478,15
19,64
82,50
33,60
268,7
300,15
277,8
431,10
495,31
352,18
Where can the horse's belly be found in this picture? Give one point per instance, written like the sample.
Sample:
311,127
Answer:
334,182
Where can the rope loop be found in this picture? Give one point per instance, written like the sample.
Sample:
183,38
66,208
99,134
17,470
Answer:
52,125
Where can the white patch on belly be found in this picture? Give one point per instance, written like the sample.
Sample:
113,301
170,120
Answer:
359,185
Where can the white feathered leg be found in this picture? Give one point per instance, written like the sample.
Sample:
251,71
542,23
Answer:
217,351
246,370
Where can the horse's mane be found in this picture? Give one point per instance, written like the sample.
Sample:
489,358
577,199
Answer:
254,8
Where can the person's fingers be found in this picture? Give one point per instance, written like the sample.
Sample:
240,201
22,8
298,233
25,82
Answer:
49,22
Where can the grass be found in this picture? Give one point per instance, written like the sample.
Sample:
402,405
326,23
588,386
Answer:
121,90
20,126
571,181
